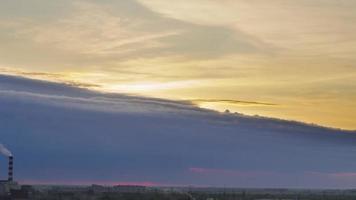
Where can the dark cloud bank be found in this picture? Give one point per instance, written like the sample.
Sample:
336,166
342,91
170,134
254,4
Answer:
61,133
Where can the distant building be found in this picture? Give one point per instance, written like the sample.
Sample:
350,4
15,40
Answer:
7,186
97,189
129,188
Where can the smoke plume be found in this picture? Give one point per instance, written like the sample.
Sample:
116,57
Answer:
4,151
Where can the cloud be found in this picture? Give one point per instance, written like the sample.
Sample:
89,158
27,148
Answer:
103,104
54,77
75,135
86,100
11,71
93,33
234,102
195,11
294,28
92,29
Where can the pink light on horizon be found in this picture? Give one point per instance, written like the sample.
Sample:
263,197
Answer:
107,183
350,175
87,183
336,175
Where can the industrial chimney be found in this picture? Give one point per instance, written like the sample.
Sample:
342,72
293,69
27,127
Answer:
11,168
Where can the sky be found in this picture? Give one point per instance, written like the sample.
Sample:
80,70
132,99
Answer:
286,59
62,134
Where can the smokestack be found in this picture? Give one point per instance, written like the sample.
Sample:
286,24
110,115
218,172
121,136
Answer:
4,151
11,168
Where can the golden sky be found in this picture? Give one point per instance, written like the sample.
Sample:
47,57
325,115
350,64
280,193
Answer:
279,58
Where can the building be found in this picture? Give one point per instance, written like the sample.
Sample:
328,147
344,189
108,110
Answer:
129,188
7,186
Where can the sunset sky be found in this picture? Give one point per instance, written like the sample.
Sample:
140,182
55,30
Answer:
279,58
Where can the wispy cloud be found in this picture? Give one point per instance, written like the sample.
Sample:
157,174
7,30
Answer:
232,101
297,28
16,71
55,77
92,29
